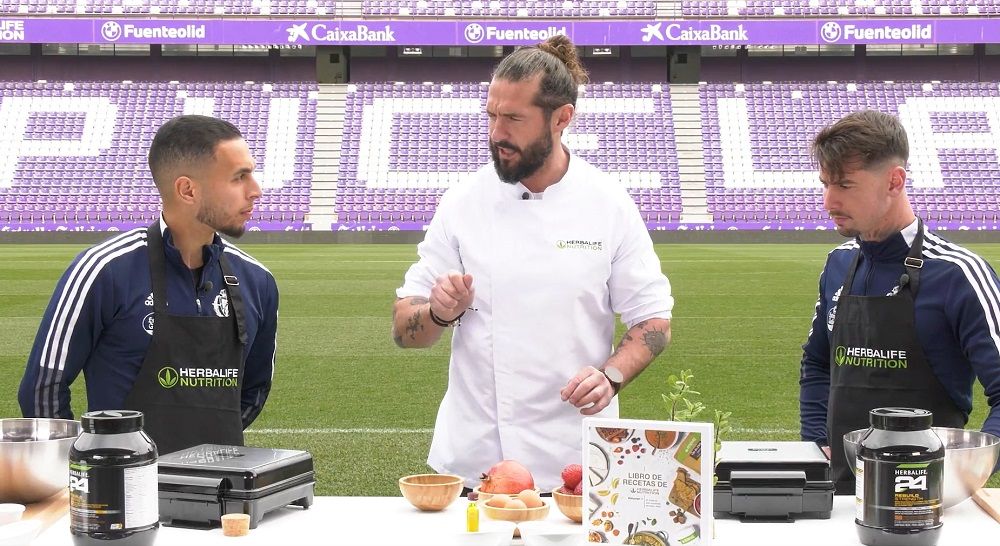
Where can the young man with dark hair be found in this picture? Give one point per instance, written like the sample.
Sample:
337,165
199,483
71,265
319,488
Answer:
536,254
904,317
201,368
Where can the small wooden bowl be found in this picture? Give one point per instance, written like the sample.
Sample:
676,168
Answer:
431,492
487,496
516,515
570,505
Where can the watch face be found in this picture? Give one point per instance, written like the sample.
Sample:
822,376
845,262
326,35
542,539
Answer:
614,375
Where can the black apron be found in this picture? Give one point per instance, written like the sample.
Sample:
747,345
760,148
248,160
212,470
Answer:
189,384
867,369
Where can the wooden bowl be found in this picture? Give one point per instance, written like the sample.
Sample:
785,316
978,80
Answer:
516,515
487,496
431,492
570,505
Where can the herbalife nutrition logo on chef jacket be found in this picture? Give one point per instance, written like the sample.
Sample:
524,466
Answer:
580,245
870,358
112,31
170,377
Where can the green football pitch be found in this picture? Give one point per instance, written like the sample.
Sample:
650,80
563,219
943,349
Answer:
365,409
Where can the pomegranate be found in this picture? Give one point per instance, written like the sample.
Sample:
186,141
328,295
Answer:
509,477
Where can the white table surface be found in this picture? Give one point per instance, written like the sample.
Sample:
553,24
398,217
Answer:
391,520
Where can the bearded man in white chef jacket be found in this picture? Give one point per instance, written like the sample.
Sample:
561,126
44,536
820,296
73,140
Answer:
530,260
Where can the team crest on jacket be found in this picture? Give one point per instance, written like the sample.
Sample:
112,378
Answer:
147,323
221,304
831,315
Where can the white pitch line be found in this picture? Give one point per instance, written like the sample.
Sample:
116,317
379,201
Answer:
430,430
340,431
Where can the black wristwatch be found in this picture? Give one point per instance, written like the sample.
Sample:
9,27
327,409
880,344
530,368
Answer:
615,377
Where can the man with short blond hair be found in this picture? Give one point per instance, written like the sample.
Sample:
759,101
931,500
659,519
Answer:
904,317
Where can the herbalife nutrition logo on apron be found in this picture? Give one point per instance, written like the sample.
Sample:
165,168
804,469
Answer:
870,358
169,377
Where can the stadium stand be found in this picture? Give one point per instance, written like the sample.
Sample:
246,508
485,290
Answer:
436,135
840,8
75,153
182,7
510,8
369,8
756,144
77,150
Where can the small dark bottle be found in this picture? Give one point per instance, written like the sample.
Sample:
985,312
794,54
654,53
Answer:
900,468
113,481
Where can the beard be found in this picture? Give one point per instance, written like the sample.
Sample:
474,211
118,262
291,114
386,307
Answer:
531,158
213,217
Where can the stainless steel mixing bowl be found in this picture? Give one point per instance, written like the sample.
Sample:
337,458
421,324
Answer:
969,459
34,458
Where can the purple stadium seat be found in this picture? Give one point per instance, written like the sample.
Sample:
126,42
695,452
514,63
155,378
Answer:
826,8
169,7
81,161
761,164
436,136
509,8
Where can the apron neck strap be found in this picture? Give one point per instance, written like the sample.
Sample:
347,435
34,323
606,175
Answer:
914,262
235,296
158,266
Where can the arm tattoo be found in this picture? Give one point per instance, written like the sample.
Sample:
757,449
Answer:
655,341
625,339
414,325
628,338
398,339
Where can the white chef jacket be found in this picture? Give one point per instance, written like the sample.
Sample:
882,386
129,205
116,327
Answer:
550,274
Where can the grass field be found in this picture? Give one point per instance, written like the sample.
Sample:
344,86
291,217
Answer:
365,408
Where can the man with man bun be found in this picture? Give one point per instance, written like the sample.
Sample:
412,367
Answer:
530,259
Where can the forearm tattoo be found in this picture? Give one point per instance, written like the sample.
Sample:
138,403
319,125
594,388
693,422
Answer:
625,339
414,324
654,340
